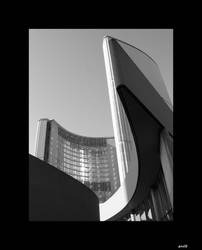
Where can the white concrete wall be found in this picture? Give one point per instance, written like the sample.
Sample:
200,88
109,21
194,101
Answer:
40,138
125,146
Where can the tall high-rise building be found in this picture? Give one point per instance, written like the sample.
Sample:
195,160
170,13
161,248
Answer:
91,161
142,116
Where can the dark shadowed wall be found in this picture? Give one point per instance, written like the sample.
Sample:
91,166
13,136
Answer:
55,196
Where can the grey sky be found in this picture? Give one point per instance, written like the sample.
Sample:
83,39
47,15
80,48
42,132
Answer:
67,79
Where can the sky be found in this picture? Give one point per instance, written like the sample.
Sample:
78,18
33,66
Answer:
67,79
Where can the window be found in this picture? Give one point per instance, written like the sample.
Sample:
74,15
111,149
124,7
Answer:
143,216
149,214
137,217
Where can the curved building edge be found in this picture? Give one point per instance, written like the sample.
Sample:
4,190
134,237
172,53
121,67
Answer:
146,190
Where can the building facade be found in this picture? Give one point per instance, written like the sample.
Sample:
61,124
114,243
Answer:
91,161
142,116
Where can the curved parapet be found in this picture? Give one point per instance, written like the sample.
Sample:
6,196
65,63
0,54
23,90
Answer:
55,196
141,109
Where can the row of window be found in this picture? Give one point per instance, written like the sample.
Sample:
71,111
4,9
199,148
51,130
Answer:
78,147
88,177
84,150
87,172
81,143
87,156
76,176
70,159
84,162
83,179
84,141
81,167
102,186
86,167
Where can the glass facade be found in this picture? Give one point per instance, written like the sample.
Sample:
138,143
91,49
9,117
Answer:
92,161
